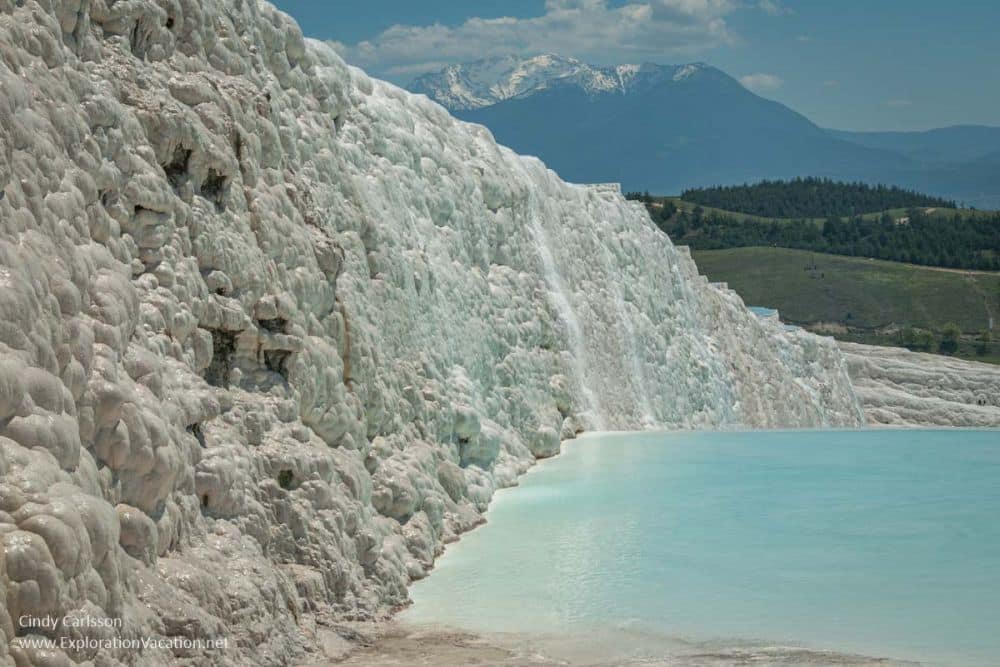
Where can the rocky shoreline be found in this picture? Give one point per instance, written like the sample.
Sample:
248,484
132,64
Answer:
392,644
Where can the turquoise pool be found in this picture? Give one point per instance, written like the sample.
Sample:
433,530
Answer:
883,543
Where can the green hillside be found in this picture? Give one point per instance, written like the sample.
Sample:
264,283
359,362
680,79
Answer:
863,299
942,237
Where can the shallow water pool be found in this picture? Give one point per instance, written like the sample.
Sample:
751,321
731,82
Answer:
883,543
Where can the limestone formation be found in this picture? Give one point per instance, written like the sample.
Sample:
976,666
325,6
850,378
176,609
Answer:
903,388
273,332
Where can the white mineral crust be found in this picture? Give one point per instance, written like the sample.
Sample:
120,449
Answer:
272,332
903,388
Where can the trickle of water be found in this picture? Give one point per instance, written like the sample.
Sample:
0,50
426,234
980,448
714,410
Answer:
638,372
639,382
557,292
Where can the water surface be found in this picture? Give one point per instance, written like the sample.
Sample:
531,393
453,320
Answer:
882,543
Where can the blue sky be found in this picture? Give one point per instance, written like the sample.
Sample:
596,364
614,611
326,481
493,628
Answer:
848,64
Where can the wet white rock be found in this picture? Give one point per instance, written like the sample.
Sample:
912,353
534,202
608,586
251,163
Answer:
271,332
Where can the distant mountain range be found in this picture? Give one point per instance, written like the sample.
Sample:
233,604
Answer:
487,82
666,128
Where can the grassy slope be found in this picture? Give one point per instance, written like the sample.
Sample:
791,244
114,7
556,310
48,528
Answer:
866,295
865,300
875,293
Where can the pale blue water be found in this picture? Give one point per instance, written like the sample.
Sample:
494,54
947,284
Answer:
882,543
762,311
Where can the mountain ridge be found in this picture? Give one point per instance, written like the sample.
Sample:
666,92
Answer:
482,83
693,125
951,143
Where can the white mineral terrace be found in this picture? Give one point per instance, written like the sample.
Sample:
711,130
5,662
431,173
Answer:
271,331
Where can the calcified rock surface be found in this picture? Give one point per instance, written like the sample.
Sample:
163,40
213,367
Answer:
903,388
272,332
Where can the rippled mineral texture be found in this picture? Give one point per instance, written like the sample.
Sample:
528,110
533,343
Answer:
903,388
272,332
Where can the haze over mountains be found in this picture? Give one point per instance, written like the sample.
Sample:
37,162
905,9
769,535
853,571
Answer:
665,128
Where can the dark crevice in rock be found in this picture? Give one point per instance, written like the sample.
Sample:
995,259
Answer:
196,430
348,380
136,42
223,349
177,168
274,361
214,189
158,511
246,170
286,480
263,105
276,325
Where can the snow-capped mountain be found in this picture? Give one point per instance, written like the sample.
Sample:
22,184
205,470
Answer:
483,83
665,128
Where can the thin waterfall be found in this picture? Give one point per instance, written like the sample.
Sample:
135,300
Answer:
557,292
638,371
638,380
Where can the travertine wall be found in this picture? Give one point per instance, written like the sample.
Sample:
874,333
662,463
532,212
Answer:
271,332
903,388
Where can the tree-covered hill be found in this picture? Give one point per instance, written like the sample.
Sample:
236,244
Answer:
810,198
959,242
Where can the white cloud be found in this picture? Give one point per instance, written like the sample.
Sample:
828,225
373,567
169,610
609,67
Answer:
773,7
899,103
804,39
761,83
588,29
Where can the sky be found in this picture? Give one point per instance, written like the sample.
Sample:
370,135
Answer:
845,64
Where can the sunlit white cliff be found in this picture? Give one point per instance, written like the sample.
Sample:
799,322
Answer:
271,332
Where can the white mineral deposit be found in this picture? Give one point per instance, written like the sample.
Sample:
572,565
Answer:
272,332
